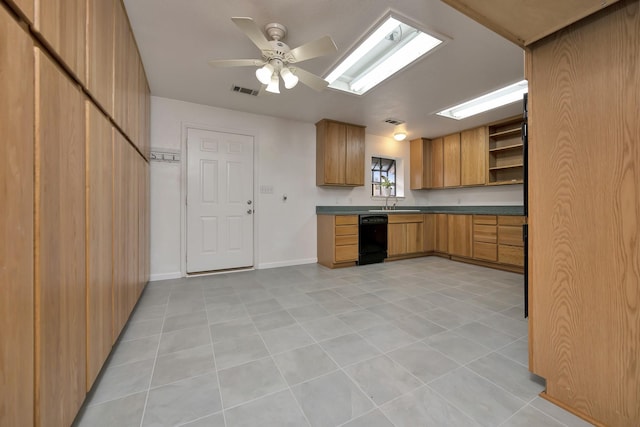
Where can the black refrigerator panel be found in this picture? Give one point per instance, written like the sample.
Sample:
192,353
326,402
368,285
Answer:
525,190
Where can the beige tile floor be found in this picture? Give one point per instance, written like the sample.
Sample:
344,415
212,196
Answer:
422,342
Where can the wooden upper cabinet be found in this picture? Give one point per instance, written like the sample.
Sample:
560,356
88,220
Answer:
437,163
355,155
120,67
60,252
460,235
99,219
473,156
26,7
451,155
339,153
99,80
524,22
16,224
62,24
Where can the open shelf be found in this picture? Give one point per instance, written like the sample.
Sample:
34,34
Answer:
505,132
495,168
508,147
505,152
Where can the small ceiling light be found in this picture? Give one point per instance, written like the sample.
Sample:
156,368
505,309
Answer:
495,99
400,135
290,79
274,84
392,46
264,74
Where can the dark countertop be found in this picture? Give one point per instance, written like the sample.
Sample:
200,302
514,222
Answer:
477,210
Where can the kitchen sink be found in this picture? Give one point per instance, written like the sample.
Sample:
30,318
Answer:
394,210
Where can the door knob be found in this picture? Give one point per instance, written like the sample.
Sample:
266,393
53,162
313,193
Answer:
248,202
250,211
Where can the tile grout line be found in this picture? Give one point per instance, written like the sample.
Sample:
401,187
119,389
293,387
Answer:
155,361
215,363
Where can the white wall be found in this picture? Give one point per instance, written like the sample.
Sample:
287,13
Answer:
285,232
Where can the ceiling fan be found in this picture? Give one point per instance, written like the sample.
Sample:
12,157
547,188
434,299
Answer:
278,58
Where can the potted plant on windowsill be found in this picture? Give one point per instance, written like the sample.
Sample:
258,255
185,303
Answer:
385,186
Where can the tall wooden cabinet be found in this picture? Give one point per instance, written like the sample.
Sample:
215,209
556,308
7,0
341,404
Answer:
584,214
99,196
60,251
57,171
16,224
339,153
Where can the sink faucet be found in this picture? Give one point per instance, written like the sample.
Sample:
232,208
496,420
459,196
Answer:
395,202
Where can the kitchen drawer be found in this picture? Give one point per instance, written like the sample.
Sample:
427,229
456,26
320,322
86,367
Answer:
485,219
346,253
485,251
342,230
349,239
511,220
513,255
346,219
405,218
510,235
485,233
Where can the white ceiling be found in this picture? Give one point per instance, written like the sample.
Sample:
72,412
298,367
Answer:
177,37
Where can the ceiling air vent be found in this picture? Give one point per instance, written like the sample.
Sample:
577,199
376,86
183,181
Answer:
394,122
244,90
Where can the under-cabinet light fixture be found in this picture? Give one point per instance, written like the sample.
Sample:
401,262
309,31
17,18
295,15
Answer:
495,99
391,46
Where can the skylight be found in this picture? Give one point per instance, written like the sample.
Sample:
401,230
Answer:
391,46
495,99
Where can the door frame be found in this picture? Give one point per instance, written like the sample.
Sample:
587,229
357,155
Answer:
185,126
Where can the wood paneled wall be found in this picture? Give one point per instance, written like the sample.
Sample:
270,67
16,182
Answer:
66,163
16,224
584,214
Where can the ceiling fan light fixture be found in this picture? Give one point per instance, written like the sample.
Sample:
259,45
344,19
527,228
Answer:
290,79
264,74
274,84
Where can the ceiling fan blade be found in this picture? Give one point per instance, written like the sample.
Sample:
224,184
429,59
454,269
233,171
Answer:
251,29
225,63
322,46
311,80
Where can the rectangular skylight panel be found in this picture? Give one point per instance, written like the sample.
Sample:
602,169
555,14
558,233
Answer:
392,46
495,99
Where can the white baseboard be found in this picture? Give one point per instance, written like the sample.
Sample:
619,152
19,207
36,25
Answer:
164,276
289,263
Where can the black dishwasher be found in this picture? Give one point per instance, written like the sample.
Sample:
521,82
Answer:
372,239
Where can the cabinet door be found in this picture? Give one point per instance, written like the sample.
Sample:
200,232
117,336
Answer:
437,163
60,246
442,232
415,238
120,255
461,235
120,61
420,164
99,241
396,239
354,163
335,147
99,78
473,156
429,239
451,150
16,224
62,23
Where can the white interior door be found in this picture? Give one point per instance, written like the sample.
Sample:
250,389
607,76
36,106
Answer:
219,200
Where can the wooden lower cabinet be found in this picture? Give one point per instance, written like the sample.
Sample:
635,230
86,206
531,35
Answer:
442,233
60,250
429,227
405,234
485,238
510,242
337,240
460,235
99,194
16,224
